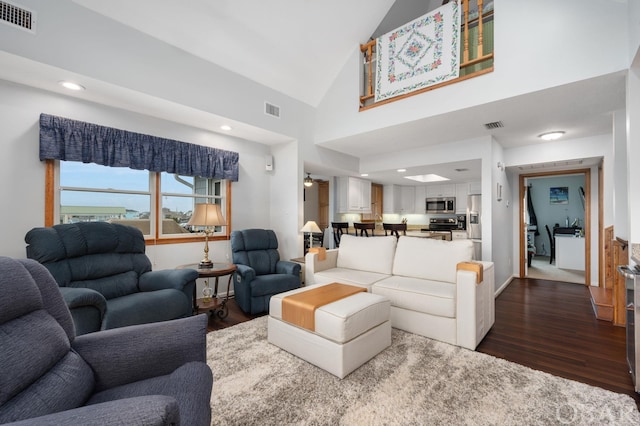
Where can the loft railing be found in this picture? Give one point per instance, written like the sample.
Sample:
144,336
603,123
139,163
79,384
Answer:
476,52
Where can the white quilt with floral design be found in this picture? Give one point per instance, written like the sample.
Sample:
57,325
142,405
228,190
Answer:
419,54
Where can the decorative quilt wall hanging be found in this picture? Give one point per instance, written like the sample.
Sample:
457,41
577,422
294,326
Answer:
419,54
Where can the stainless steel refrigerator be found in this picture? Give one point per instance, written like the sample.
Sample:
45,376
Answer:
474,224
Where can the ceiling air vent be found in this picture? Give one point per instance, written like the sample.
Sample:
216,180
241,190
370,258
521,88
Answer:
271,110
494,125
17,16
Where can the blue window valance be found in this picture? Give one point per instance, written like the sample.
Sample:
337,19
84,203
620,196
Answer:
71,140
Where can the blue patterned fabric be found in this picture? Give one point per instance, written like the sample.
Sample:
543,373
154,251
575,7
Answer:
152,374
106,278
71,140
260,272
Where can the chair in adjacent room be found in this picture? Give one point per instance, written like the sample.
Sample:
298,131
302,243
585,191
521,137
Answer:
260,273
151,374
395,229
105,276
364,228
552,244
339,228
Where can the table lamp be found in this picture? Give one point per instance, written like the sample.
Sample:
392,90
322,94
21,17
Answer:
209,216
310,227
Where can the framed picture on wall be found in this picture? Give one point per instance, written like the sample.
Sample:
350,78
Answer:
559,195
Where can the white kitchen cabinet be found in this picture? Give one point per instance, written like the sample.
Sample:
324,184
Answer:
462,191
353,195
398,199
475,188
420,195
445,190
389,197
407,199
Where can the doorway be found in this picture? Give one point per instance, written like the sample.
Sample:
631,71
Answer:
555,220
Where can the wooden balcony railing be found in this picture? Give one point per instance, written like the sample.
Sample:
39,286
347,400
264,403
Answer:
476,52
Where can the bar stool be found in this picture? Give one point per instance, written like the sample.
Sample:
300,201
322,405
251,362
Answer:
364,228
339,228
394,228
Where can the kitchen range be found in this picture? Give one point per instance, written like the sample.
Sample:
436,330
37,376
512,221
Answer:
442,226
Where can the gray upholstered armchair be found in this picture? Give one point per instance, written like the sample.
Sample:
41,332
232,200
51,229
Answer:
150,374
260,272
105,276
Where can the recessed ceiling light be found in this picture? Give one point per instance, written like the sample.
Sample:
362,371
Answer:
401,170
427,178
225,127
364,174
70,85
551,136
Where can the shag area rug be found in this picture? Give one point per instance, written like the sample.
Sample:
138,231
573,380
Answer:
416,381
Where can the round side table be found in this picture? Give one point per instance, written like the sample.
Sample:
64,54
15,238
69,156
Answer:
216,305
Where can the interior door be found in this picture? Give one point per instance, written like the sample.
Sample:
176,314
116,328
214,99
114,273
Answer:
323,204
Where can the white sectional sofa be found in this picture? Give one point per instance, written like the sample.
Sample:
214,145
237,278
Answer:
428,295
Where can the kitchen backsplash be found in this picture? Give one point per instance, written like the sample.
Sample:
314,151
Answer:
635,252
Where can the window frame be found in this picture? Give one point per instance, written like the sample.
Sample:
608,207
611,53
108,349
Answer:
52,186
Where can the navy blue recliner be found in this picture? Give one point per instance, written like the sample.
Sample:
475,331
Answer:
260,273
105,276
149,374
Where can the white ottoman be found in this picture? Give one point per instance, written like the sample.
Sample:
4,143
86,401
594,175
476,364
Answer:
348,332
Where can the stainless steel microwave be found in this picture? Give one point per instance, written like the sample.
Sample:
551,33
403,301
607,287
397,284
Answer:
441,205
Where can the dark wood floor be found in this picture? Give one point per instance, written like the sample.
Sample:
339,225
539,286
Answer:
545,325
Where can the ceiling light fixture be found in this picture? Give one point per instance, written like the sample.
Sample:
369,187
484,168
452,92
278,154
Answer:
427,178
308,181
402,170
225,127
364,175
552,136
71,85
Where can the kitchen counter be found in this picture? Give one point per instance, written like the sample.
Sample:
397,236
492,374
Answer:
569,252
423,234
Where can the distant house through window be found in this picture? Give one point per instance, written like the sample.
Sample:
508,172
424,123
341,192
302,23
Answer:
159,204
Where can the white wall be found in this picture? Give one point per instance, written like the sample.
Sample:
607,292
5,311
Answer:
499,233
633,151
616,173
285,200
76,39
524,38
22,174
550,214
633,22
558,151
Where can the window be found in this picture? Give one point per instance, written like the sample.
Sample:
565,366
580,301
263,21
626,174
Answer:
178,196
159,204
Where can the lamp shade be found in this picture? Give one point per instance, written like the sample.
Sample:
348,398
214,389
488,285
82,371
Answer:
207,215
311,226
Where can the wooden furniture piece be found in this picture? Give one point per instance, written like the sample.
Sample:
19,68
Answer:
395,228
608,300
215,305
364,228
620,257
339,228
